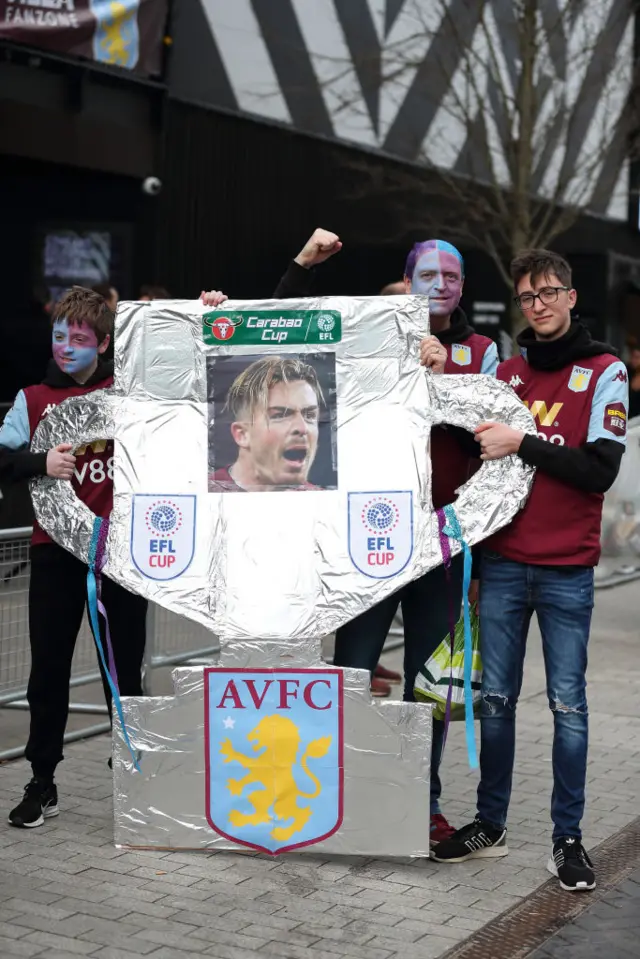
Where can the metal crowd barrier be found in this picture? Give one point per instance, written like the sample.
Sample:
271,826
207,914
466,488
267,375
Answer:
171,641
620,561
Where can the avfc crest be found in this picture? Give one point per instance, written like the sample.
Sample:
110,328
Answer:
461,354
580,379
274,756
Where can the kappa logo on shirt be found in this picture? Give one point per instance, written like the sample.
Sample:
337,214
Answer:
580,379
461,354
516,381
620,375
615,419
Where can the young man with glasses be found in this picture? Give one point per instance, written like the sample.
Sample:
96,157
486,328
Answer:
543,561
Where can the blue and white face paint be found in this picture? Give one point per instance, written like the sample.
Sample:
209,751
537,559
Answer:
75,347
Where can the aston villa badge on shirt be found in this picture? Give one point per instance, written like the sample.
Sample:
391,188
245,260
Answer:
580,379
461,354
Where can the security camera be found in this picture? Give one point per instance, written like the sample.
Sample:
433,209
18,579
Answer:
151,185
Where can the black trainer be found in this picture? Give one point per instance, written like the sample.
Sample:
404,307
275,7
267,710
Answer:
40,802
478,840
570,863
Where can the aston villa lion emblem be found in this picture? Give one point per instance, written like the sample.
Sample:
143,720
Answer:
274,756
461,354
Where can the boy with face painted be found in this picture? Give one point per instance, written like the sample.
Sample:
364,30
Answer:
82,325
435,269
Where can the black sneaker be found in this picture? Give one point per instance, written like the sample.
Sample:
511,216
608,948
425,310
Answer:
570,863
40,802
478,840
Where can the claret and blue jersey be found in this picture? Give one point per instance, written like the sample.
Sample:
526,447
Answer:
585,402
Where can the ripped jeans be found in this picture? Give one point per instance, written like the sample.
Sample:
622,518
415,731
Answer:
562,599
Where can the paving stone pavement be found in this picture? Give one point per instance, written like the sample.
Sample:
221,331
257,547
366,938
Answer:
611,927
66,891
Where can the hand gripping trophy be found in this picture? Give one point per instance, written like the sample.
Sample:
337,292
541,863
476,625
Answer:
272,481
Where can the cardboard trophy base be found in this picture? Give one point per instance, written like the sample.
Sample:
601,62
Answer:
259,754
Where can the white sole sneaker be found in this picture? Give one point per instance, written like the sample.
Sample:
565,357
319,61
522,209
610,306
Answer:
581,887
487,852
47,813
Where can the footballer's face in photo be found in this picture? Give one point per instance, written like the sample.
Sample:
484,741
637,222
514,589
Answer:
281,439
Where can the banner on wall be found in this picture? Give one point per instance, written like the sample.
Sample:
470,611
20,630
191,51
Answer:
120,33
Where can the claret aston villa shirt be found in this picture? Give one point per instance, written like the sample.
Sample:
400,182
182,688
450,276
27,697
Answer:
583,402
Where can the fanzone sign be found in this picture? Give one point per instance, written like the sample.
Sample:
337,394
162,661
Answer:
126,34
274,755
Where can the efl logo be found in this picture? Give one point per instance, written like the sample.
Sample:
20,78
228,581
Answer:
163,533
381,532
274,755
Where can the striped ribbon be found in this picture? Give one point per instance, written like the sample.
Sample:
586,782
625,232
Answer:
446,559
94,589
449,526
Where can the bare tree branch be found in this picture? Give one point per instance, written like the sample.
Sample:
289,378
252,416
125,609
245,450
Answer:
532,104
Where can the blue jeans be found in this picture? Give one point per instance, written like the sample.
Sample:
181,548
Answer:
563,601
425,612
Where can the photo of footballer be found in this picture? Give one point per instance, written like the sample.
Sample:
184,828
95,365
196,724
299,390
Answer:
272,422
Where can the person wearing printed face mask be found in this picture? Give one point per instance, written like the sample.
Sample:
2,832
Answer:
435,269
82,325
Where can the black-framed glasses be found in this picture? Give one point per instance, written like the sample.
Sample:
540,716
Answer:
547,296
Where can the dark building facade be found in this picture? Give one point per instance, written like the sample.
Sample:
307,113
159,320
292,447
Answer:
81,116
255,144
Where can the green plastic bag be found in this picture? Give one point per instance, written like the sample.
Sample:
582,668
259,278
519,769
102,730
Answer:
432,682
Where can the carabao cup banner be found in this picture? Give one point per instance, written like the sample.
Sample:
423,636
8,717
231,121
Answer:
121,33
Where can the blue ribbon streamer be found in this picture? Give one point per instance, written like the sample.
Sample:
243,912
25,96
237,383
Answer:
92,595
454,530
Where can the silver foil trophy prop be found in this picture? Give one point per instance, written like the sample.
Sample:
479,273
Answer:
272,481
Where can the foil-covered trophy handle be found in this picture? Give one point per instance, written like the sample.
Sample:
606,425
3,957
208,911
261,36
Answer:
466,401
79,421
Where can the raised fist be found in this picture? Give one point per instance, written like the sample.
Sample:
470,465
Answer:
318,248
60,462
